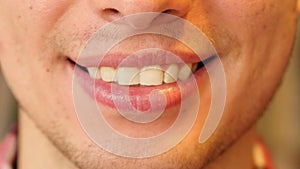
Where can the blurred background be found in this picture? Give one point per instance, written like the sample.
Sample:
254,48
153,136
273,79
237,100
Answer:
280,126
8,108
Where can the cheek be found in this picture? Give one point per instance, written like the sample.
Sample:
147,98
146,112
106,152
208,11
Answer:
245,18
39,17
260,37
26,54
29,27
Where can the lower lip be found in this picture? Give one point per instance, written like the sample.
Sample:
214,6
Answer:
139,96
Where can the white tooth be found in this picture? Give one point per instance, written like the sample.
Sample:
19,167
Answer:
128,76
94,73
107,74
185,72
171,74
151,75
194,67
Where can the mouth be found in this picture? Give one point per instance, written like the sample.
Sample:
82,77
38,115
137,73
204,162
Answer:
172,78
153,75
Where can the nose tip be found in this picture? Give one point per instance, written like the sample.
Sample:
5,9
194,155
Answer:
138,9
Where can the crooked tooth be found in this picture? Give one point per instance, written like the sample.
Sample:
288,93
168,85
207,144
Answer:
148,76
171,74
107,74
128,76
151,75
94,72
185,72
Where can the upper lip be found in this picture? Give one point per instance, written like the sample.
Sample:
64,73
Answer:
141,60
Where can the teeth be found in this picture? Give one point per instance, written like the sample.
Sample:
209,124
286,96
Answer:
128,76
171,74
194,67
108,74
94,72
147,76
151,75
185,72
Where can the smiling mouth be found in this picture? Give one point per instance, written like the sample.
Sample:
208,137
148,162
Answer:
129,84
151,75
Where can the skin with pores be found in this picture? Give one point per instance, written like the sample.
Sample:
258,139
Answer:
37,38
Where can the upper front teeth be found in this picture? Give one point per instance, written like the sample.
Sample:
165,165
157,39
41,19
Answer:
185,72
128,76
106,73
151,75
171,74
148,75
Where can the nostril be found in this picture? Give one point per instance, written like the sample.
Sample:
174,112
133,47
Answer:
111,11
172,12
111,14
168,11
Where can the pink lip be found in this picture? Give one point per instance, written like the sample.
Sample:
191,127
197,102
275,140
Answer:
138,96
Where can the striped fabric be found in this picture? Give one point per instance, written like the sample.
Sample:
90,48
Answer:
8,150
261,156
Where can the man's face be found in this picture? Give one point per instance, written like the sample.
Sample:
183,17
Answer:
41,40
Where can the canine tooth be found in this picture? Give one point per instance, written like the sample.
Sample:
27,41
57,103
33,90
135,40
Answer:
185,72
171,74
151,75
107,74
94,72
128,76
